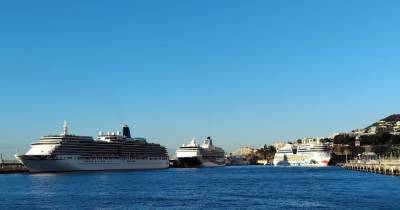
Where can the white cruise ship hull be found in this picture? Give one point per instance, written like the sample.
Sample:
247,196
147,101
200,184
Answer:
64,165
212,164
302,160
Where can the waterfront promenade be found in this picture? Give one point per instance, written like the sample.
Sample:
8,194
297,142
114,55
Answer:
385,165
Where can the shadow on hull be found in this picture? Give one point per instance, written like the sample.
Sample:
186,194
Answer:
189,162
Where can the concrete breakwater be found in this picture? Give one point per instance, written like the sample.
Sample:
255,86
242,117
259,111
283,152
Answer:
382,166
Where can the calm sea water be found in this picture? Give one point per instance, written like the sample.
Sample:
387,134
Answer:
246,187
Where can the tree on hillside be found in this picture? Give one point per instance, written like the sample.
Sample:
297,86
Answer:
267,151
394,150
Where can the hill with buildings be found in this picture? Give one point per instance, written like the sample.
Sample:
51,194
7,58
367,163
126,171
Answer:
387,124
381,137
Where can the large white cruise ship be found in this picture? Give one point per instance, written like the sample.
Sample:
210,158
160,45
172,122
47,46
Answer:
110,151
311,152
204,155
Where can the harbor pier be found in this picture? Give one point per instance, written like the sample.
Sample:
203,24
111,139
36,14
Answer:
385,165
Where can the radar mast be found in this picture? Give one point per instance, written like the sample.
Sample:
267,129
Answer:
65,128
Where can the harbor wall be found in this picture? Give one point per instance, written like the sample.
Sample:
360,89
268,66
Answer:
387,166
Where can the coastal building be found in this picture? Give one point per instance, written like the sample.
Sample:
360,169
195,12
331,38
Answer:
359,131
380,129
357,143
244,151
245,155
396,128
372,130
279,144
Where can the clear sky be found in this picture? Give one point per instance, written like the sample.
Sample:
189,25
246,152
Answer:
243,72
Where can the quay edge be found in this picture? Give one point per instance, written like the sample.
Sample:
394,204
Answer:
386,167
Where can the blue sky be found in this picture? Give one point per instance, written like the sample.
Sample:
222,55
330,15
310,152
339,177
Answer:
244,72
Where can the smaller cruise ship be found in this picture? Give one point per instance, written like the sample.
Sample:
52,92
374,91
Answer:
311,152
204,155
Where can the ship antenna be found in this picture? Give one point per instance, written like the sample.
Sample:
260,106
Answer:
65,128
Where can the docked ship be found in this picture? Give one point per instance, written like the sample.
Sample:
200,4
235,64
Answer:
311,152
204,155
109,151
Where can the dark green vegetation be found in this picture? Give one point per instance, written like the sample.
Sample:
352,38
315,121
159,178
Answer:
382,142
267,152
378,143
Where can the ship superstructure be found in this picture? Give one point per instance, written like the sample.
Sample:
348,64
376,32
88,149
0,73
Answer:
200,155
311,152
109,151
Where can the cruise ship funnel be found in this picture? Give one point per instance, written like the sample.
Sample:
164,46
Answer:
126,132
